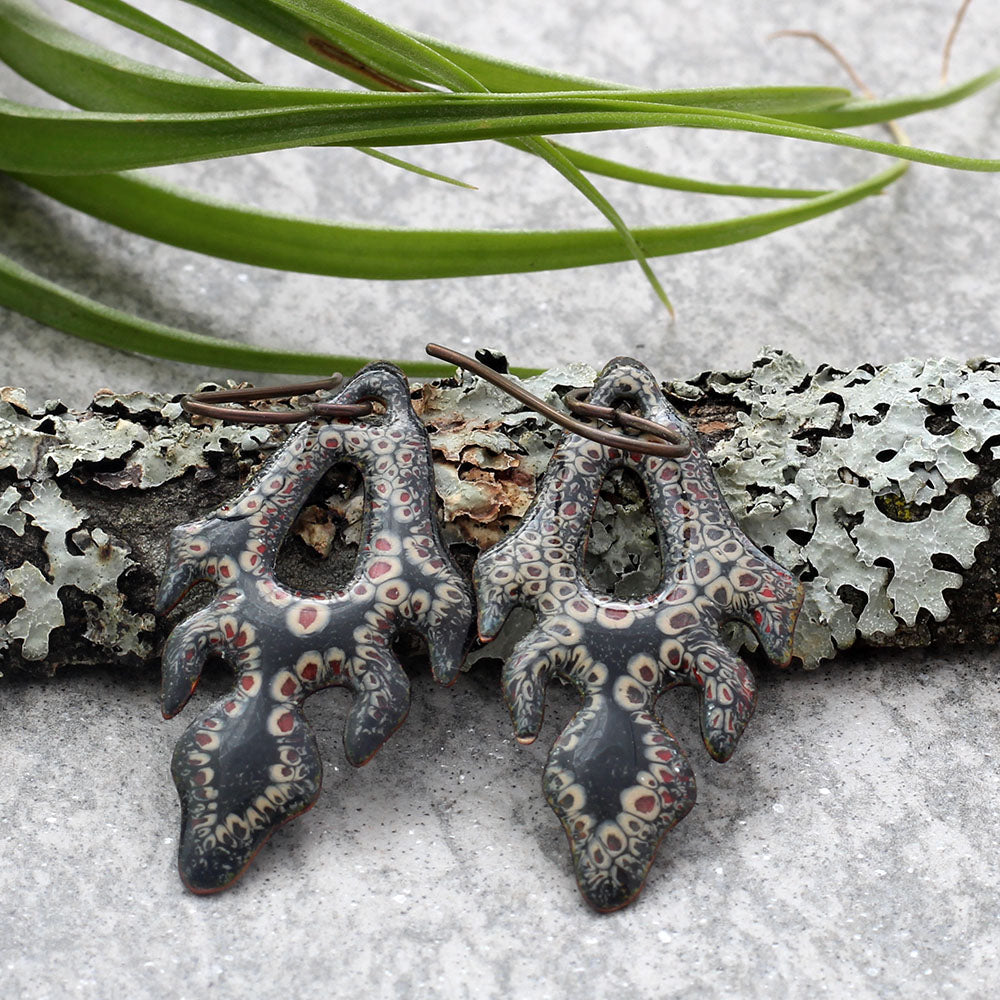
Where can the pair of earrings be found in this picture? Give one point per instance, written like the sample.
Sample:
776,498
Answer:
617,780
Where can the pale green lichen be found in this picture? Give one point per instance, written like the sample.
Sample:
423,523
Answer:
817,453
848,477
10,517
94,569
852,479
40,446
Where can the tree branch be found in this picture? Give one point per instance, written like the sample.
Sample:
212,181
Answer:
877,486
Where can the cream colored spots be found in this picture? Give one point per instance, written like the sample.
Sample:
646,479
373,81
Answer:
285,685
307,618
629,694
642,801
643,668
612,838
281,721
251,562
383,568
331,440
572,800
386,544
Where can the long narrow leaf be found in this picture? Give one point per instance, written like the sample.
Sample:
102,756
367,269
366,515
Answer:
34,140
381,44
289,29
283,28
428,64
651,178
342,20
378,42
335,20
547,151
34,296
508,77
503,76
100,80
28,293
60,61
395,161
97,79
55,43
249,236
865,112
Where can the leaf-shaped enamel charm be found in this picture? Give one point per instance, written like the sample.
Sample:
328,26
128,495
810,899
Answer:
615,777
250,762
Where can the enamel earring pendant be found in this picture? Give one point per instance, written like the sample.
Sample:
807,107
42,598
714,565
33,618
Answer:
250,763
617,780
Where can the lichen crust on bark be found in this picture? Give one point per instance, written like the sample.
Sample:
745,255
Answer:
877,486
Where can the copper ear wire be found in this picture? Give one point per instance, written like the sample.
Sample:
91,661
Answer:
197,403
576,402
671,445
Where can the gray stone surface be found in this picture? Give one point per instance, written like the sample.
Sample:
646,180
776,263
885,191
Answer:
850,847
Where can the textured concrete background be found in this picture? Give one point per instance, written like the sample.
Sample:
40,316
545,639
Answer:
850,847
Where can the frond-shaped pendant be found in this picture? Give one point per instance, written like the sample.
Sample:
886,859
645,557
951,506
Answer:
615,777
250,762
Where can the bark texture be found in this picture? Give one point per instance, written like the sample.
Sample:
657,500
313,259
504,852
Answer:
878,487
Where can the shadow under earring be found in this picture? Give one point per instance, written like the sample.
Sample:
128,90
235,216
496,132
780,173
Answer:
617,780
250,763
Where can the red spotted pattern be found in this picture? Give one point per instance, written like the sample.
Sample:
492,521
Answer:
622,655
252,763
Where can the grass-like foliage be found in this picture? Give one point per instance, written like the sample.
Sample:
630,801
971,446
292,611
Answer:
418,90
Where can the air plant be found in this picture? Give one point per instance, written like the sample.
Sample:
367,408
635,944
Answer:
418,90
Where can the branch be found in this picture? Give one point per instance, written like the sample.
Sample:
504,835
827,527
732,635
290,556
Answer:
878,487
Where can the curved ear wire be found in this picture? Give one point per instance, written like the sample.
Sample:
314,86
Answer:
615,777
209,403
249,763
670,443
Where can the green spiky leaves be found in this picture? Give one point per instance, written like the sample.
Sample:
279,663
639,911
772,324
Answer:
420,91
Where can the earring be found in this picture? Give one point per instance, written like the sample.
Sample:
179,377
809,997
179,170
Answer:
617,780
250,763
